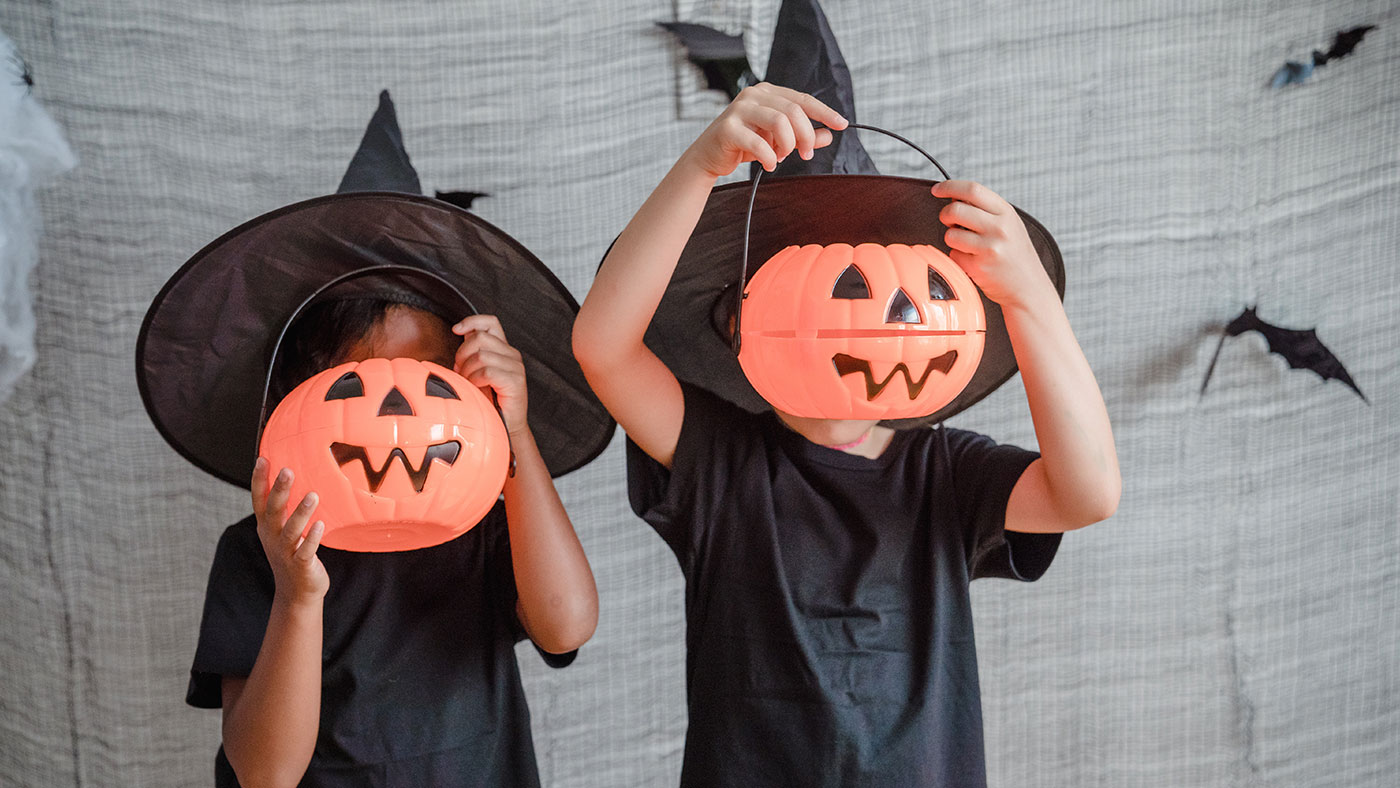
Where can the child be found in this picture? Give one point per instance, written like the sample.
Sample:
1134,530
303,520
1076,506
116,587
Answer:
402,631
343,668
829,635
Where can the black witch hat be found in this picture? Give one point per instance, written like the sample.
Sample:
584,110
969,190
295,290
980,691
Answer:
837,196
206,345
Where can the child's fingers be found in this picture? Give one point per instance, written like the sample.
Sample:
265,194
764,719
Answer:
306,551
805,137
270,508
973,193
490,341
259,483
489,324
292,529
824,137
478,349
748,141
964,260
812,107
962,240
962,214
488,367
777,126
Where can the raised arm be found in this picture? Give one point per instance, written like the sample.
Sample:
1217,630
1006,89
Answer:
1076,480
764,123
557,597
271,718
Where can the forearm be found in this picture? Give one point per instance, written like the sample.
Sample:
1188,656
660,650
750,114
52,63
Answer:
558,600
270,725
1067,408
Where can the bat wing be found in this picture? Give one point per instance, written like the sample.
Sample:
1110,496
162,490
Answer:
1292,73
720,56
1301,349
462,200
1343,43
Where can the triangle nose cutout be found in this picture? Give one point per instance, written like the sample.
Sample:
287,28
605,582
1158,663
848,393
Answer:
395,405
901,309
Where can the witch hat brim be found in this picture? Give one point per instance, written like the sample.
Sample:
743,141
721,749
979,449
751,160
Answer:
809,209
205,345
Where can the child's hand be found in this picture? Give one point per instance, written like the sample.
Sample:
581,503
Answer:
764,123
989,241
299,574
487,359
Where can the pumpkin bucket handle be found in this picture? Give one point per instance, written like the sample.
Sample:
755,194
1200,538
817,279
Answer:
373,270
739,296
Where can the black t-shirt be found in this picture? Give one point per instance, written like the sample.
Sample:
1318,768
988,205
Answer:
828,625
419,680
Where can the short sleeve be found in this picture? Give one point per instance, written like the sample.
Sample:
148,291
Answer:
983,474
667,498
505,596
237,604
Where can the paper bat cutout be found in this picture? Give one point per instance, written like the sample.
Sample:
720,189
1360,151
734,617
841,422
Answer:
462,200
1342,44
720,56
1301,349
1294,73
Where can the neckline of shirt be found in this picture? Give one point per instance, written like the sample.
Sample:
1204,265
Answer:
824,455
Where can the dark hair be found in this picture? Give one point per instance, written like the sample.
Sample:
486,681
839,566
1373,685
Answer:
325,331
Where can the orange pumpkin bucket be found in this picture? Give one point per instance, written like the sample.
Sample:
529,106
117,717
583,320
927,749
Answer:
403,453
863,332
868,331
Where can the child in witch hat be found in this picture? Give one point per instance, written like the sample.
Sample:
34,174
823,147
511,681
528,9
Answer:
387,668
827,561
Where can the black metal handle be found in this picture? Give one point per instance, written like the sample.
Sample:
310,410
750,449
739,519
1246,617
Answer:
356,274
734,340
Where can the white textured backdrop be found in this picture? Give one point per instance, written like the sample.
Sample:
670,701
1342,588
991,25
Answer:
1235,624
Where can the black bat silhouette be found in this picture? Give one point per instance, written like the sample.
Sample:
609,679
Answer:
1344,42
720,56
462,200
1301,349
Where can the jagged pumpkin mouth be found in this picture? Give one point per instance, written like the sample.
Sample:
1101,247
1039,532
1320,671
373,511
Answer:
345,454
850,365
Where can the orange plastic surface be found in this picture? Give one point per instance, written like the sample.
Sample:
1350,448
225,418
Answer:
897,352
399,481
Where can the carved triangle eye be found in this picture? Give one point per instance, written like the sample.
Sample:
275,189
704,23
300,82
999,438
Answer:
347,386
938,289
437,387
850,284
395,404
901,309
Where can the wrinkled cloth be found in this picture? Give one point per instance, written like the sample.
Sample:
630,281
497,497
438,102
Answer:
32,151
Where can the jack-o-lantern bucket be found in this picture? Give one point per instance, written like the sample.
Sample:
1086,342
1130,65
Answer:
403,454
864,332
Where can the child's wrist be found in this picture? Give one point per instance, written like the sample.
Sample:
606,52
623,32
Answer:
299,602
1034,298
692,164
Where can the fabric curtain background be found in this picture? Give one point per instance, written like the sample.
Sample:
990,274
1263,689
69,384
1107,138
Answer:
1235,624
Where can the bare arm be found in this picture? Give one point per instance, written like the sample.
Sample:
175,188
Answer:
1076,481
765,123
271,718
558,599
